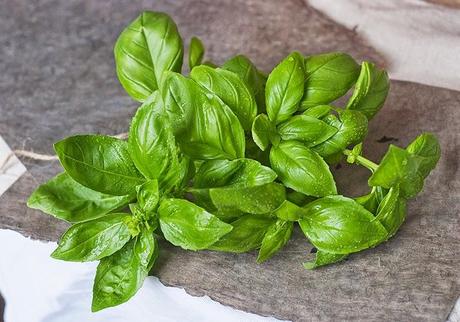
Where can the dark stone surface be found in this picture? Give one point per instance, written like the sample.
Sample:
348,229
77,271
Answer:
57,78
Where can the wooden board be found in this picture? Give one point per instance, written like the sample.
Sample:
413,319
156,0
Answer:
58,79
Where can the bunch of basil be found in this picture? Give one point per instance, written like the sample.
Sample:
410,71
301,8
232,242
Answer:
226,159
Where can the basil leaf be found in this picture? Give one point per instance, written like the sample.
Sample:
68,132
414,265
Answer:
148,196
93,240
328,77
372,200
247,234
306,129
289,211
392,211
340,225
231,89
284,88
275,238
101,163
186,225
301,169
149,46
254,200
210,129
119,276
318,112
151,140
253,78
264,132
237,173
371,90
323,258
195,52
352,129
408,168
66,199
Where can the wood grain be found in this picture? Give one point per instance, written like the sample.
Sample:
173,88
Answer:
58,79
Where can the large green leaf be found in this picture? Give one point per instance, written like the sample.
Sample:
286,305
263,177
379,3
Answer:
328,77
64,198
119,276
149,46
186,225
101,163
340,225
243,67
247,234
302,169
306,129
284,88
275,238
231,89
371,90
95,239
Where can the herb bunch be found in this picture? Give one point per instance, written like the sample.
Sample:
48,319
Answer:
227,159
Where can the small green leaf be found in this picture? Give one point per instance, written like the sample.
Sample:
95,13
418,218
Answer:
328,77
149,46
254,200
289,211
392,211
306,129
264,132
248,72
372,200
318,111
284,88
119,276
340,225
323,258
148,196
101,163
352,129
247,234
301,169
237,173
428,151
186,225
370,91
275,238
195,52
231,89
66,199
93,240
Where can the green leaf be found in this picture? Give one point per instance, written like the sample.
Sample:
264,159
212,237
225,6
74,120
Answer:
284,88
289,211
195,52
119,276
408,168
372,200
237,173
318,111
247,234
352,129
248,72
148,196
264,132
151,140
392,211
301,169
371,90
254,200
307,129
275,238
328,77
323,258
66,199
93,240
101,163
186,225
340,225
210,129
231,89
149,46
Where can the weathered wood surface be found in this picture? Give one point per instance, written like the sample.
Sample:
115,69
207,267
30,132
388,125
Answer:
57,78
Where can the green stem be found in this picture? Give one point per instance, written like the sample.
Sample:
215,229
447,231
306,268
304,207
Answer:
362,161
